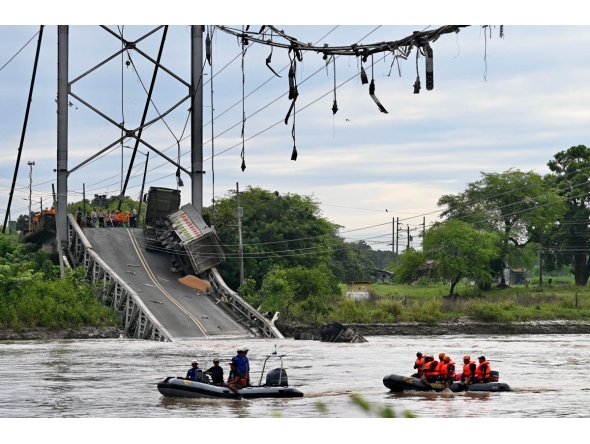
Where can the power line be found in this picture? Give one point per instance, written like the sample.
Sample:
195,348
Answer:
18,52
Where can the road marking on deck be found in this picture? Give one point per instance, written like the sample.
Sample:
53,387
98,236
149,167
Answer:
154,280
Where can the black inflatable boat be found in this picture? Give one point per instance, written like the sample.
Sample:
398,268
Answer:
398,383
276,386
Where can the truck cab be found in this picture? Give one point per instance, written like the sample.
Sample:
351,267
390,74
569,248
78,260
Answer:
160,202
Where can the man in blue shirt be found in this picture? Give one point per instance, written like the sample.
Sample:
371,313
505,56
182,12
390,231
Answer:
247,377
191,375
240,361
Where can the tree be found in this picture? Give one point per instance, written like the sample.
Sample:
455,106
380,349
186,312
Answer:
284,230
299,291
571,170
22,223
518,206
350,261
410,266
459,251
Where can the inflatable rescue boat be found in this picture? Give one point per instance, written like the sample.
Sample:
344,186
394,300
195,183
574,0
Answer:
276,386
398,383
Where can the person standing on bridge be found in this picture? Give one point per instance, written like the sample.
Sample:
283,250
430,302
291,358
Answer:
191,375
100,215
132,218
216,373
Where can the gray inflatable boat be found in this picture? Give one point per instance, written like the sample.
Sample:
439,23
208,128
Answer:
276,386
398,383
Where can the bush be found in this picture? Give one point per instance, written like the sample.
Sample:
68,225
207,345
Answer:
489,312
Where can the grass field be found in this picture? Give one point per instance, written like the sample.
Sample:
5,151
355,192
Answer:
399,303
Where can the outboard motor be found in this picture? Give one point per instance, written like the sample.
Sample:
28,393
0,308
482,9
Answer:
494,376
273,376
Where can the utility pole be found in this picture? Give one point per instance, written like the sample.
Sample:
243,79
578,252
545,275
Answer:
541,262
57,228
147,157
197,117
397,237
408,247
423,231
241,253
24,131
61,206
393,238
84,202
31,165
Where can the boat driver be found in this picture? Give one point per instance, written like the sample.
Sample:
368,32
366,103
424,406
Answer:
234,382
216,373
191,375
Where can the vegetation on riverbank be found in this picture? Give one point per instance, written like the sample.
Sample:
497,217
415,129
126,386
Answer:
33,295
407,303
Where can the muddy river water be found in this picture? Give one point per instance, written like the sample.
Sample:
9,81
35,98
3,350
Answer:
117,377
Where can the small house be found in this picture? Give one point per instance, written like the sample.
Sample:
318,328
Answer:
381,275
514,276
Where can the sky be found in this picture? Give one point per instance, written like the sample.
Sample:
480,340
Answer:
496,104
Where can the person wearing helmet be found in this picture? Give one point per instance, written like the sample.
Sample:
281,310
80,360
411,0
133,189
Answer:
419,363
430,371
447,374
441,362
468,370
191,375
216,373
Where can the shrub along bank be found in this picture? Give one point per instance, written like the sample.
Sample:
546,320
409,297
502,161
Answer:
32,294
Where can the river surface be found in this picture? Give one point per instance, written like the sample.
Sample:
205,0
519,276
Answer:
117,378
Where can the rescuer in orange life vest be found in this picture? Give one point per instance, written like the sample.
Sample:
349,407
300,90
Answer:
447,373
419,363
469,368
430,371
441,362
482,372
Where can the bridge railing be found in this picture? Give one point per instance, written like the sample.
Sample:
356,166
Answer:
137,319
239,305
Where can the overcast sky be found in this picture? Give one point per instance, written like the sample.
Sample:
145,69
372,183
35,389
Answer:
364,167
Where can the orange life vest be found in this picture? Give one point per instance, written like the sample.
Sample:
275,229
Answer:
126,218
440,366
467,369
480,373
118,217
52,211
445,369
431,368
418,365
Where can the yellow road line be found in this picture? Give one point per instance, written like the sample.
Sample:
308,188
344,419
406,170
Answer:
159,286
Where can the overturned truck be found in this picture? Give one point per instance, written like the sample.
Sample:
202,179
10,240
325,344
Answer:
195,249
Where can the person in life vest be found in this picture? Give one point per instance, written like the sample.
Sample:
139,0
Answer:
447,373
441,362
118,218
419,363
191,375
430,371
52,211
126,219
469,368
482,372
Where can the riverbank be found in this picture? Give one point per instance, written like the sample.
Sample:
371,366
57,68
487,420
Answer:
46,334
461,326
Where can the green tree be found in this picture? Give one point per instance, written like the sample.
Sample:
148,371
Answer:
459,251
409,267
350,261
571,176
22,223
299,292
516,205
284,230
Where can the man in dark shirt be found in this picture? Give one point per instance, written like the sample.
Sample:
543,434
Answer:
216,373
234,380
191,375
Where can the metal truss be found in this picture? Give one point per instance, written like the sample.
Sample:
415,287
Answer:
113,291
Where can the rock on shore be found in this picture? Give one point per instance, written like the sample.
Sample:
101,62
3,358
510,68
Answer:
65,333
462,326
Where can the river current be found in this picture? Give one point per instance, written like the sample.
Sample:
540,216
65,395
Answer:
117,378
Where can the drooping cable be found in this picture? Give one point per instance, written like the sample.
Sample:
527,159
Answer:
212,31
335,105
244,41
372,88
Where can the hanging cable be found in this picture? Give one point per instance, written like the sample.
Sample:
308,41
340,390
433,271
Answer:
335,105
243,105
417,82
212,129
372,88
121,31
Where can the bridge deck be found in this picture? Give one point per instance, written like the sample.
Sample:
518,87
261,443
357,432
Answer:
184,312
